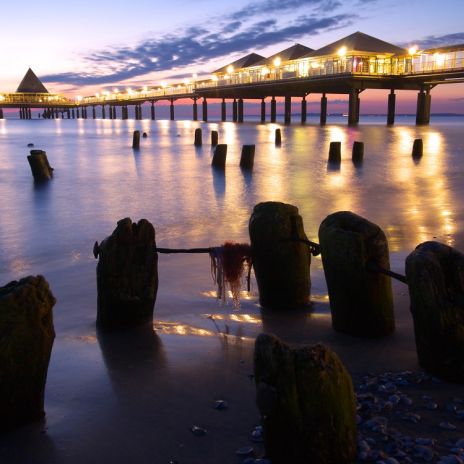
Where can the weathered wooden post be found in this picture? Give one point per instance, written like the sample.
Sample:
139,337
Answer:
361,299
335,152
127,275
307,403
417,149
281,261
26,342
247,158
214,138
40,167
136,140
144,135
219,156
198,138
434,272
278,137
357,155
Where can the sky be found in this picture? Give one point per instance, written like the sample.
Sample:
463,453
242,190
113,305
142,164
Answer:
82,47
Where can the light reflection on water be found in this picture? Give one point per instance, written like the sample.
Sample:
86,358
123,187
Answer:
99,179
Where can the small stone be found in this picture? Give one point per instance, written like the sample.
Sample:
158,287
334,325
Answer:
220,405
447,426
423,452
30,144
426,441
245,451
411,417
406,400
198,431
391,460
450,407
460,443
431,406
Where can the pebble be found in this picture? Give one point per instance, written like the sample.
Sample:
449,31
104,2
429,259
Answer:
220,405
431,406
198,431
411,417
244,451
447,426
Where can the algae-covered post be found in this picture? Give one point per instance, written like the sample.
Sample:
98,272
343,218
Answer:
26,341
361,301
281,262
219,156
307,404
127,275
40,167
435,274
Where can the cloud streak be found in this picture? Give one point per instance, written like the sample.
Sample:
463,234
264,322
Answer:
196,46
433,41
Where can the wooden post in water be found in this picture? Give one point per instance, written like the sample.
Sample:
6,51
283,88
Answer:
1,113
240,110
40,167
391,108
223,110
436,289
127,275
263,110
281,261
361,299
26,317
307,404
171,110
136,140
214,138
303,110
234,110
198,142
417,149
219,156
288,109
247,158
357,154
195,110
205,109
278,137
152,110
335,152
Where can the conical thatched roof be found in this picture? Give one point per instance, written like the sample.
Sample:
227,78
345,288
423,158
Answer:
359,42
291,53
244,62
31,84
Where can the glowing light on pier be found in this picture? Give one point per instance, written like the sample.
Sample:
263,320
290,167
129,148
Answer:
164,85
341,51
277,61
413,50
230,69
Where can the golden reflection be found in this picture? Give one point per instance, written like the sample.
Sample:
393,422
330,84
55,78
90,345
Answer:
230,133
174,328
336,134
3,130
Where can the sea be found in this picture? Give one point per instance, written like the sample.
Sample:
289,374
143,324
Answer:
136,397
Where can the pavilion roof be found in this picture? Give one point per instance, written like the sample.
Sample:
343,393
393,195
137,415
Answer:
291,53
31,84
358,42
244,62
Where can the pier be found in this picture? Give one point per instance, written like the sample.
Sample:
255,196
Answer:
349,66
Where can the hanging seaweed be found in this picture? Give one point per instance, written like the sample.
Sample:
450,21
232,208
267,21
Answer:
228,264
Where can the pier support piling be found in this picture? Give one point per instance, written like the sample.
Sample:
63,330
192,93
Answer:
263,110
240,110
195,110
323,116
423,107
103,112
1,113
234,110
171,111
152,110
391,108
353,107
223,110
273,109
205,109
303,110
94,113
288,110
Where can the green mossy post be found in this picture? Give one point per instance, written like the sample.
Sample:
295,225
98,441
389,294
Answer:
26,341
247,159
435,274
127,275
214,138
357,154
417,149
40,167
219,156
335,152
136,140
198,141
307,403
361,301
281,263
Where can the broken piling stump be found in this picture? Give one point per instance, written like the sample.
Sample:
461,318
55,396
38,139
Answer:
214,138
127,275
136,140
26,341
361,300
307,403
278,137
357,154
281,262
198,142
40,167
219,156
435,274
335,152
417,149
247,158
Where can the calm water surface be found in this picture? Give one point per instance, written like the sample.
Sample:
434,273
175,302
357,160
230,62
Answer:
50,229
